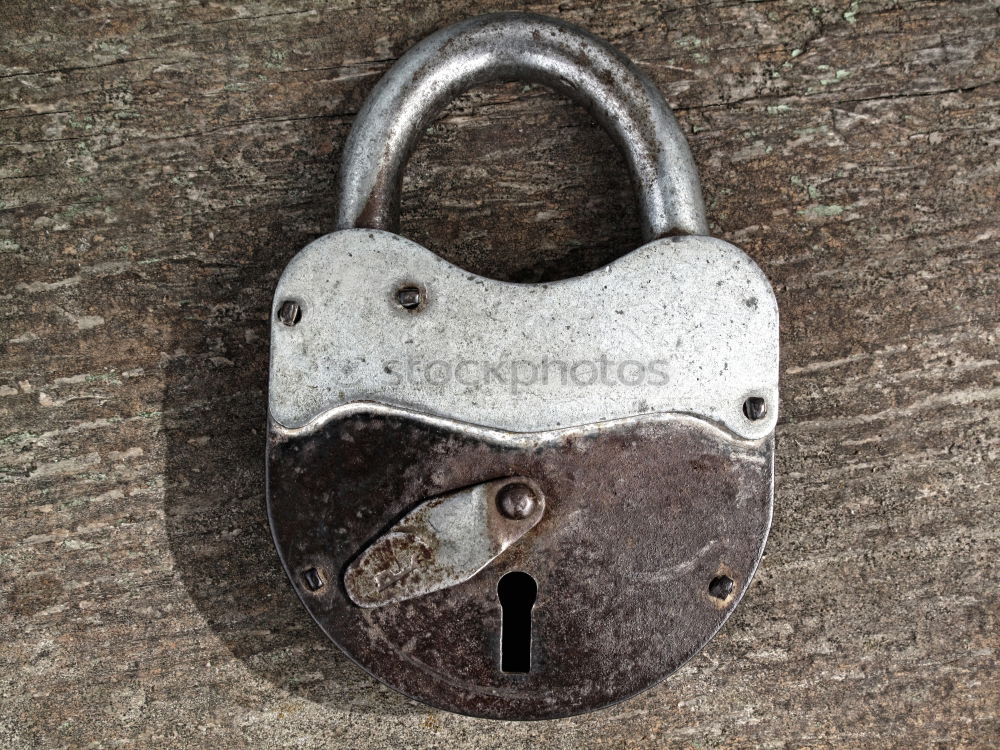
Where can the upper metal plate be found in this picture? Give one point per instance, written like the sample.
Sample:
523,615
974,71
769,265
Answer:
683,324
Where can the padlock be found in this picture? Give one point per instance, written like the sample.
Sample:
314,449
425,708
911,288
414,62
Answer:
520,501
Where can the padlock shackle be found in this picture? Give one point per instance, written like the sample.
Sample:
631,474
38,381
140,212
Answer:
526,47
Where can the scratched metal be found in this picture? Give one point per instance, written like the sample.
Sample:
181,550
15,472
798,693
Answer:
438,544
527,47
640,517
685,324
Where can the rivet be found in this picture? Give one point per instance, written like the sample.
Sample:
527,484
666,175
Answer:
409,297
754,408
313,580
516,501
721,587
289,313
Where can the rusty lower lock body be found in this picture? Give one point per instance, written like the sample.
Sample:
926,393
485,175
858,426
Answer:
504,548
644,518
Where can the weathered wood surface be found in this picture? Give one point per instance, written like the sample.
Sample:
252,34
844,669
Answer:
162,161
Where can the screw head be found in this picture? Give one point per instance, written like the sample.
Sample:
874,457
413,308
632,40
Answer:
290,312
754,408
409,297
721,587
516,501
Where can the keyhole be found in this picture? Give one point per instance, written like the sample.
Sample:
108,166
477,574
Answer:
516,592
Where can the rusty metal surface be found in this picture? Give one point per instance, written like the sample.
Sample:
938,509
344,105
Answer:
641,520
442,542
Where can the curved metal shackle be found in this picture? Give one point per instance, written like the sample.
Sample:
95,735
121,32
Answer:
529,47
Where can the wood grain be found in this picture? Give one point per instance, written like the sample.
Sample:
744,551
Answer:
160,162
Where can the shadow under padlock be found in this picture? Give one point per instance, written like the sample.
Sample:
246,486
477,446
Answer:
528,553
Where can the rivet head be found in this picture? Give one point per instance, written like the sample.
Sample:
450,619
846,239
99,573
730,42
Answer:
754,408
516,501
290,312
721,587
313,579
409,297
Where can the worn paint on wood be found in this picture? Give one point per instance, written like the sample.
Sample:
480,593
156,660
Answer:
161,162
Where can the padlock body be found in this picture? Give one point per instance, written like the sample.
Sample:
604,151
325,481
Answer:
656,489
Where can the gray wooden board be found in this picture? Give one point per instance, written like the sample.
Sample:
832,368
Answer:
160,162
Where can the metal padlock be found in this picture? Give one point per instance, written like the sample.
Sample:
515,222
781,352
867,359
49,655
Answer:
520,501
